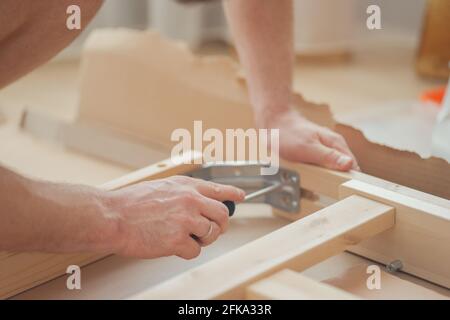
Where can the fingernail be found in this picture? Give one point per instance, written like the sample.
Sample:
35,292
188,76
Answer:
343,160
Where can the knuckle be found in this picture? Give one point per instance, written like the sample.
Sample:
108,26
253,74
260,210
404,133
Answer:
238,193
216,233
195,252
215,188
190,198
223,216
188,220
179,179
339,140
339,137
177,238
306,140
332,155
180,220
191,253
183,221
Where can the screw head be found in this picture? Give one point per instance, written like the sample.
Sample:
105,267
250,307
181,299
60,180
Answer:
394,266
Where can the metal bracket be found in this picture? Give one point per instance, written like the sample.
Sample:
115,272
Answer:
283,188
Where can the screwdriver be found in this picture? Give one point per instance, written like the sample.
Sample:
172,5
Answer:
232,206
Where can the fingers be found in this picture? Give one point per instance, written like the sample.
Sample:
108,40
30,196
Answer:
330,158
199,226
334,160
189,249
220,192
209,234
204,230
213,194
206,199
215,211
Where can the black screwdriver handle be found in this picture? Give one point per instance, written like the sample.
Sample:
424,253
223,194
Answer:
231,207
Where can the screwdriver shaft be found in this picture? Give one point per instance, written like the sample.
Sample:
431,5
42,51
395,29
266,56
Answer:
262,191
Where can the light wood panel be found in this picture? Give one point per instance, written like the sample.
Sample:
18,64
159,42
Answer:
299,245
420,238
290,285
353,280
327,182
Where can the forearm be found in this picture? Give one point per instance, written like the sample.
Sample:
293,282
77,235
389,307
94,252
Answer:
32,32
172,216
50,217
263,34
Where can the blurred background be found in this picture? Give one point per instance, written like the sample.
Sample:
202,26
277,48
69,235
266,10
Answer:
340,61
319,24
389,82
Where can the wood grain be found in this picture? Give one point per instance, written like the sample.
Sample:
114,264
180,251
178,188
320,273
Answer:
298,246
290,285
420,238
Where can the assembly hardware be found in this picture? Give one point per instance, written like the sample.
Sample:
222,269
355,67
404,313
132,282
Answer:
281,190
394,266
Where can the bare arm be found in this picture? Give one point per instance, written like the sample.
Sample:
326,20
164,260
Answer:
32,32
174,216
263,32
42,216
147,220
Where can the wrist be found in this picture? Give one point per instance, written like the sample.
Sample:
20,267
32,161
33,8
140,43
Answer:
106,224
268,117
269,105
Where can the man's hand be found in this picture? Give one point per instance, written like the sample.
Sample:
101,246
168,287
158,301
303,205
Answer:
304,141
263,32
174,216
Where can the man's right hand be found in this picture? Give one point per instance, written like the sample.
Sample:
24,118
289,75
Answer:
173,216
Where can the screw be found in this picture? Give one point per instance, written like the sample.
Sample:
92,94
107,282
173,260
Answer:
285,200
394,266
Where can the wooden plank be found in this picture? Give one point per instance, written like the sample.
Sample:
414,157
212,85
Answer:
354,281
327,182
290,285
421,236
307,207
162,169
320,180
298,246
93,140
22,271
